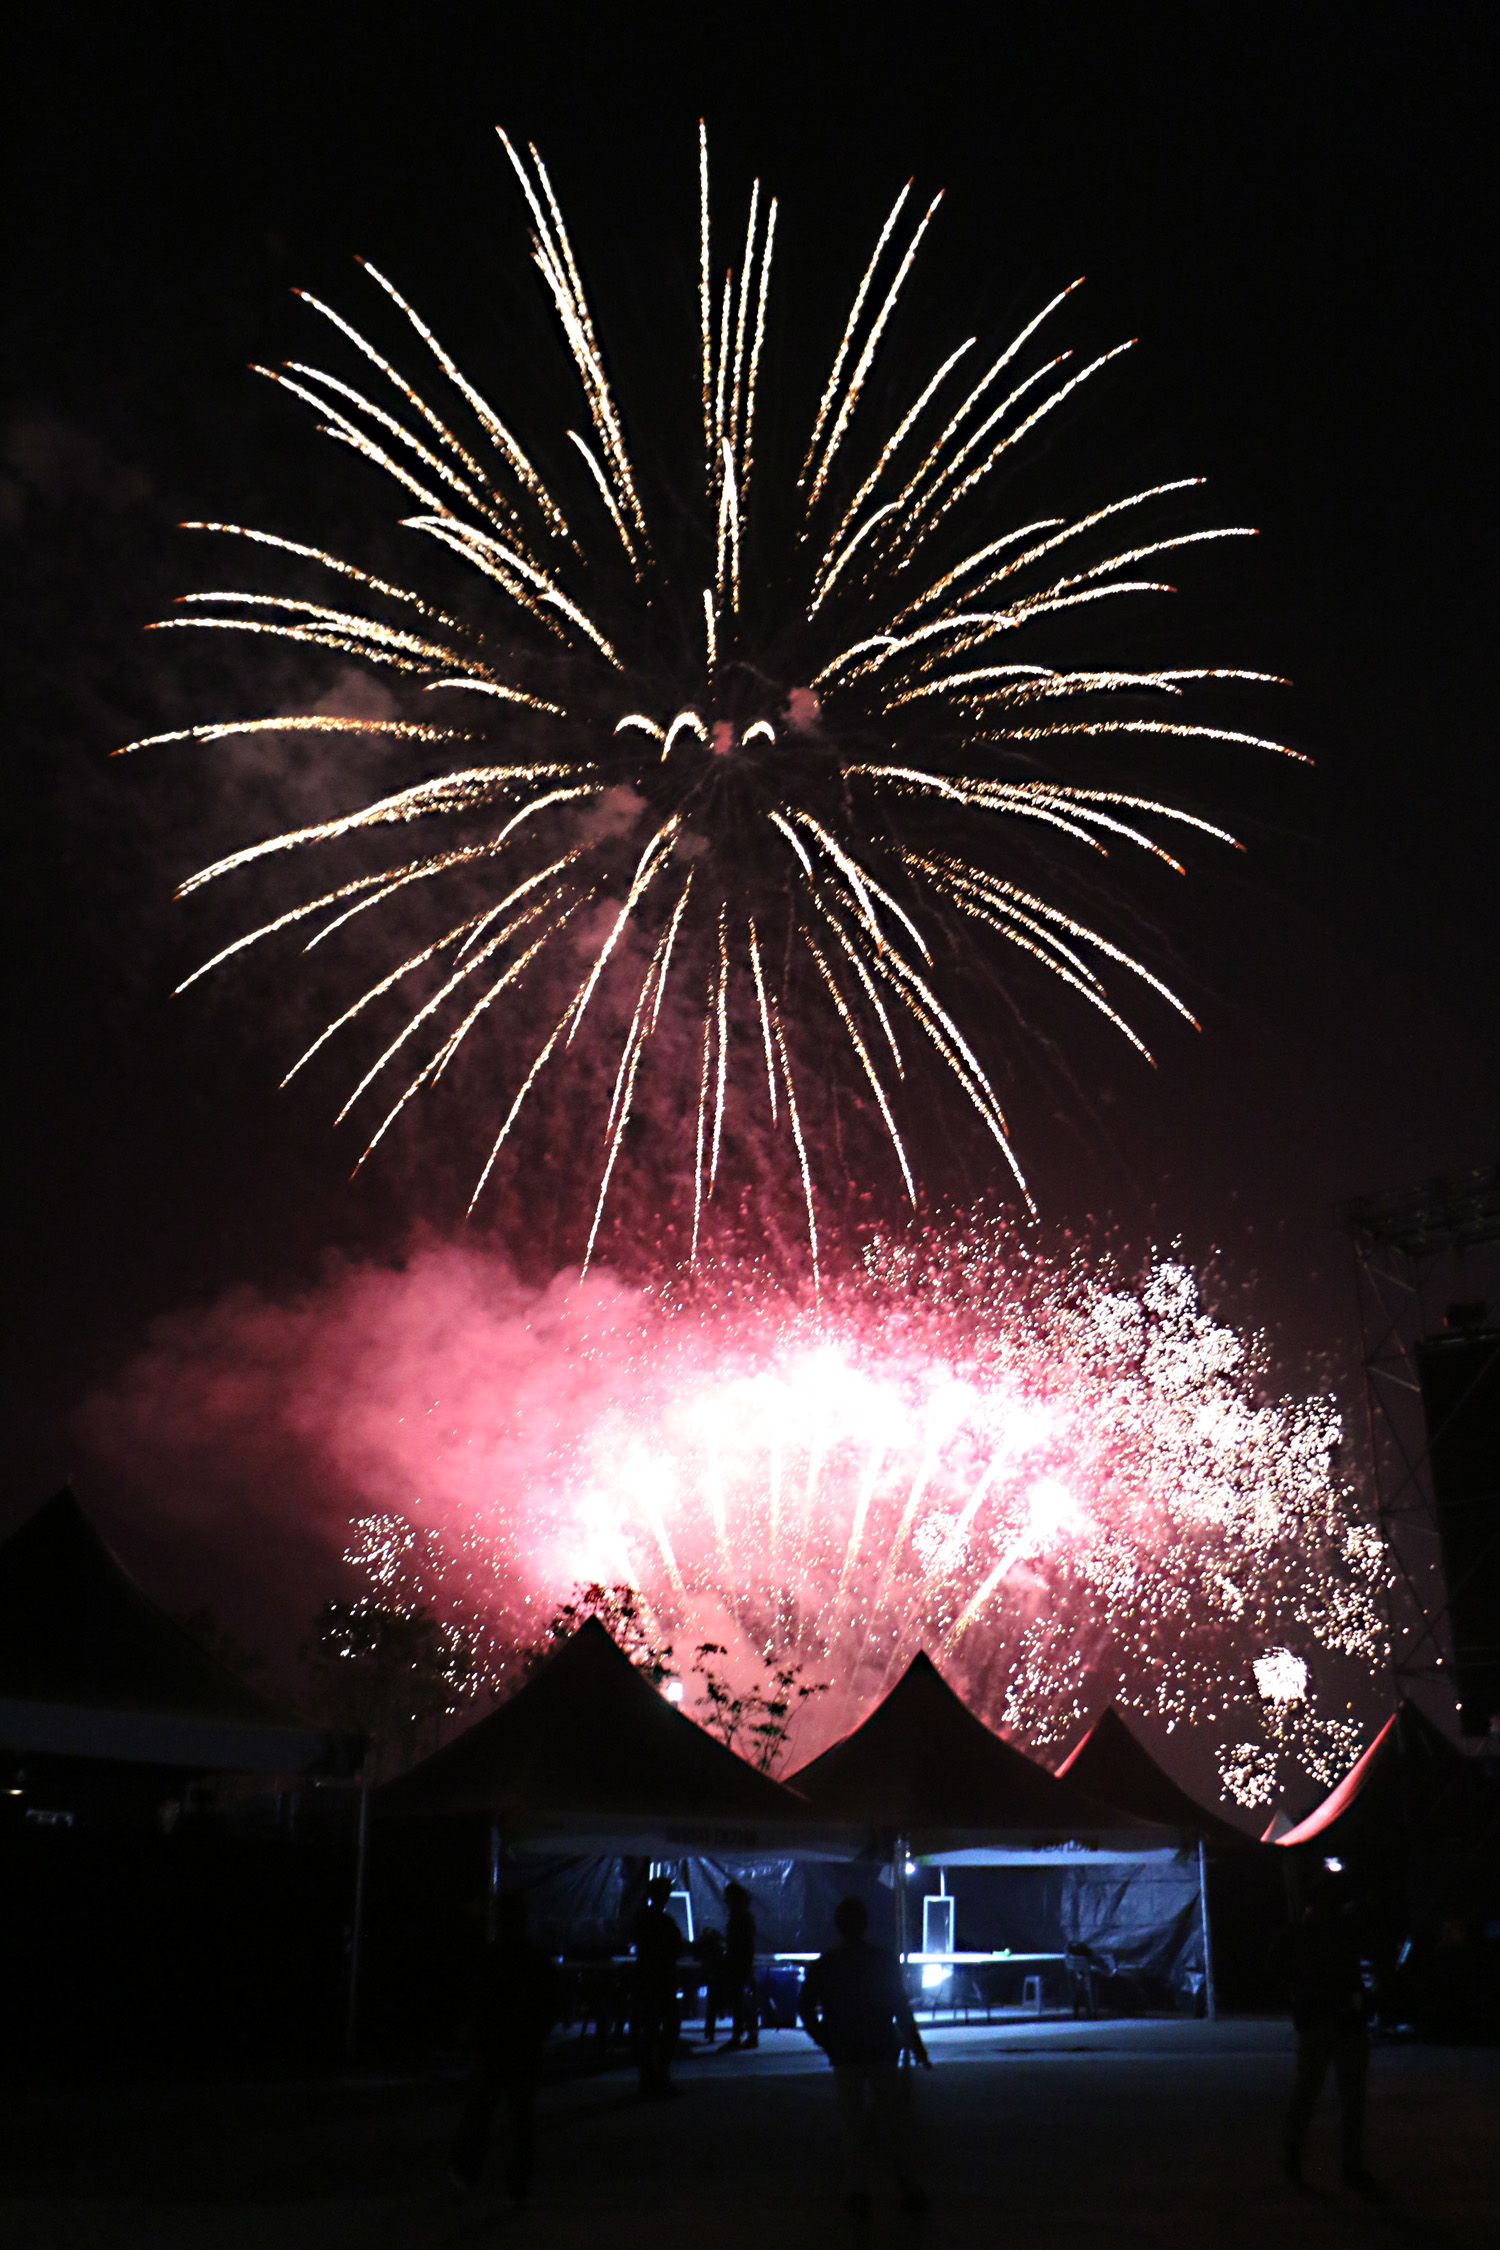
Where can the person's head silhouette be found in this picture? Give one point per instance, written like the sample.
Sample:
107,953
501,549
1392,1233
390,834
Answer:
851,1918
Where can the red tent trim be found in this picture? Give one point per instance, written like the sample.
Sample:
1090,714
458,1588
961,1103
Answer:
1341,1798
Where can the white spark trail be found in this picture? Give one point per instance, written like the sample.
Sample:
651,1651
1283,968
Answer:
826,405
490,421
867,356
805,1167
721,1025
880,714
765,1016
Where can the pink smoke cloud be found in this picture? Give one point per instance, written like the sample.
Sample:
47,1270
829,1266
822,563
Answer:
1058,1486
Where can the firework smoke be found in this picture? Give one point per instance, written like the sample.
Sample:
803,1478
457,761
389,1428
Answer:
738,773
1062,1486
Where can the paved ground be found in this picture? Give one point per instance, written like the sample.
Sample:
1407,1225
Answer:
1160,2134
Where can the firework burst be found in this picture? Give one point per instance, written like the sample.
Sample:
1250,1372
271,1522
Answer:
1062,1483
732,772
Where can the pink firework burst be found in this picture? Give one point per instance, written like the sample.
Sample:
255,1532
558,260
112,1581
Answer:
1062,1485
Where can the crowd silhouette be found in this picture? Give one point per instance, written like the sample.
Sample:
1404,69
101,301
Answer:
854,2005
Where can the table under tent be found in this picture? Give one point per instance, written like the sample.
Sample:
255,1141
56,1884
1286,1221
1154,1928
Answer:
125,1750
1013,1889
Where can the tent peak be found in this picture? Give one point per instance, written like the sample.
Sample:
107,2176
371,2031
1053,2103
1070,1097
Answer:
1410,1762
92,1666
1113,1763
594,1629
61,1517
592,1643
922,1762
588,1738
1109,1726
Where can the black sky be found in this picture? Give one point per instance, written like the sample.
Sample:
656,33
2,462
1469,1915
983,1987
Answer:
1287,206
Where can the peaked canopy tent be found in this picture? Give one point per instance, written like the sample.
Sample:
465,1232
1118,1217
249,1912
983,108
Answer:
108,1710
1243,1896
1033,1858
92,1668
1112,1764
587,1754
584,1777
1410,1779
924,1768
1413,1830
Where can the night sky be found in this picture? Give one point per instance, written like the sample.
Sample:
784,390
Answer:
1290,219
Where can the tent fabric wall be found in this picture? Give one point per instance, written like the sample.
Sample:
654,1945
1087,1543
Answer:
585,1904
793,1899
580,1903
1141,1921
1144,1925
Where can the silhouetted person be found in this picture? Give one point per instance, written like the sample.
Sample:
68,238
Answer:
1320,1960
739,1968
710,1951
1082,1961
855,2006
658,1946
518,2005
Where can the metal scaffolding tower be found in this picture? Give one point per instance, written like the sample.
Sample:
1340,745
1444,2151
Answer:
1413,1257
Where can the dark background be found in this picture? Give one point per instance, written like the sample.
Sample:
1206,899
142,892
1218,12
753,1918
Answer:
1287,206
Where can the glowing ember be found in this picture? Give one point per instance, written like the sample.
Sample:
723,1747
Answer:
1281,1676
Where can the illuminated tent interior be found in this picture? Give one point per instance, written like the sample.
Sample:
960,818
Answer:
1033,1864
587,1777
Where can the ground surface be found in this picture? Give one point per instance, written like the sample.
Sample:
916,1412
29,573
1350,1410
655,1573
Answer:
1063,2135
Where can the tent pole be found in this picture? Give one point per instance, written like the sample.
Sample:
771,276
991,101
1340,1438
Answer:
492,1910
357,1932
1210,1995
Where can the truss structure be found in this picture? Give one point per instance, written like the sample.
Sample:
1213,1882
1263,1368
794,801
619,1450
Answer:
1415,1252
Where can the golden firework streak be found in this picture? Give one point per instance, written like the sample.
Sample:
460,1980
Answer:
869,744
